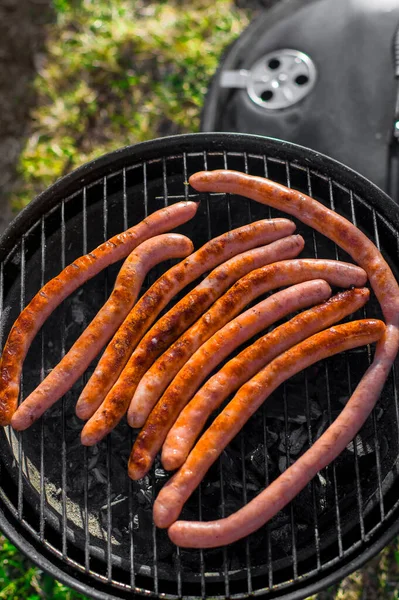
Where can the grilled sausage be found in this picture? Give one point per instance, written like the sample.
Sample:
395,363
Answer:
162,372
164,289
163,416
103,326
157,340
345,235
238,370
250,396
181,316
55,291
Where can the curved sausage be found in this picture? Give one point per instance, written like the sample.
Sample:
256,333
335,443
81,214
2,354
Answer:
143,357
163,416
345,235
103,326
159,376
181,438
55,291
249,397
165,331
161,292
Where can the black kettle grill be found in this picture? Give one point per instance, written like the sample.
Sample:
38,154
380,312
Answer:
74,511
320,74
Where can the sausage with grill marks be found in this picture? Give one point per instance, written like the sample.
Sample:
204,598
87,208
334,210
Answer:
238,370
161,292
180,317
74,275
103,326
247,400
284,273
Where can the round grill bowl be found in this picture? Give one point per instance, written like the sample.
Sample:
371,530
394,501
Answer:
74,511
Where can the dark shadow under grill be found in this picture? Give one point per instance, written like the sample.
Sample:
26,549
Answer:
74,509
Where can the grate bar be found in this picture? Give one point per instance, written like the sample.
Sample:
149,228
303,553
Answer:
145,189
208,203
124,199
223,513
291,505
185,177
359,494
373,414
131,526
267,481
166,202
165,181
244,501
227,196
109,509
333,464
333,468
108,439
154,539
21,395
42,375
130,484
85,448
312,483
310,193
356,457
63,407
201,552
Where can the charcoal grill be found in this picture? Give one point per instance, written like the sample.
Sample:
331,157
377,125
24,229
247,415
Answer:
74,511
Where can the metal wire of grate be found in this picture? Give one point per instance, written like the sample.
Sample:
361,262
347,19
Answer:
77,505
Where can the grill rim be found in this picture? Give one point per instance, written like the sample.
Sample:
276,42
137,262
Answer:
176,146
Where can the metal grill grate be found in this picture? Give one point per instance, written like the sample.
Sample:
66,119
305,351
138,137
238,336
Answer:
86,521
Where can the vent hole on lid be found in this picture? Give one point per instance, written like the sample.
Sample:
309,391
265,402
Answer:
266,95
301,79
273,64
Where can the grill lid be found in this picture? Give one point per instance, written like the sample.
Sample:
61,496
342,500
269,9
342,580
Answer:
348,112
74,510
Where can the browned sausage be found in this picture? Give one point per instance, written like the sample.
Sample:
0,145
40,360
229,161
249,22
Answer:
161,419
181,316
247,400
55,291
161,292
103,326
162,372
238,370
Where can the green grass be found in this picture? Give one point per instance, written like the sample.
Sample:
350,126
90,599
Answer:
119,72
19,579
114,76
